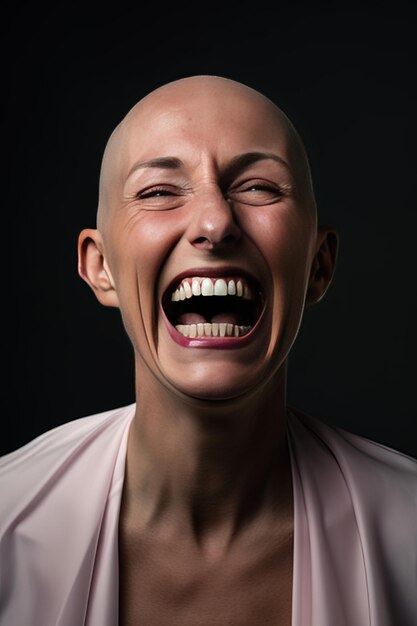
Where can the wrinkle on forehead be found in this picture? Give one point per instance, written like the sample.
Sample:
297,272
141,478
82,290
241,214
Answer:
172,98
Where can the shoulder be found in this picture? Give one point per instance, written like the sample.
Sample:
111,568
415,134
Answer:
68,435
352,487
67,449
377,476
356,449
59,496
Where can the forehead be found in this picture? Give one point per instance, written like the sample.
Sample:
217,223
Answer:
190,122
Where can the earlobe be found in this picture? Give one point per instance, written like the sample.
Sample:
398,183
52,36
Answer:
323,266
93,267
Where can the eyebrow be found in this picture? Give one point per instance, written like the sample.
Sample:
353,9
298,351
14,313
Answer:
244,160
238,162
170,163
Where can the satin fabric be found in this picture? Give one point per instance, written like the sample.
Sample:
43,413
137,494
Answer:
355,526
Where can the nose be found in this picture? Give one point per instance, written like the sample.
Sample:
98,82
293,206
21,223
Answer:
213,224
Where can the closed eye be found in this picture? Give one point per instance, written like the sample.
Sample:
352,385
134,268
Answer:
258,193
261,188
160,197
155,192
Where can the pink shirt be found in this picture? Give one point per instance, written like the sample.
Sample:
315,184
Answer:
355,519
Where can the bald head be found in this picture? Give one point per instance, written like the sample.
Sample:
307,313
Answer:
212,104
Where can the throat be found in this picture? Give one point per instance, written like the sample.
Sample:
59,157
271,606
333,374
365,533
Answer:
209,468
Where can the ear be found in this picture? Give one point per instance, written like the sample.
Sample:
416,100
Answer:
323,266
93,268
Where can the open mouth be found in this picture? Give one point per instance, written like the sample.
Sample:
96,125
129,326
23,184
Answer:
204,306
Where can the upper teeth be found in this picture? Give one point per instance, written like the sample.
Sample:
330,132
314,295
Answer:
199,286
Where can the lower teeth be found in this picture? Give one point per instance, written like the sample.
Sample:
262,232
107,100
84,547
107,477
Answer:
212,330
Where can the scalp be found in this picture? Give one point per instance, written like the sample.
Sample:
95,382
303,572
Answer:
199,90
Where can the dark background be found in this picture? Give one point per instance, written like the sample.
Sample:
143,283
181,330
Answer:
344,74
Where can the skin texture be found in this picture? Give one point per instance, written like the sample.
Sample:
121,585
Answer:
208,479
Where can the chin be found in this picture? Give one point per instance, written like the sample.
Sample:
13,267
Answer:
218,385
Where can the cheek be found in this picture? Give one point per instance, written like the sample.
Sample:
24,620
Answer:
284,238
137,250
286,243
141,244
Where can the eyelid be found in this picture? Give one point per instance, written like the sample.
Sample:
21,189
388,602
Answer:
163,187
281,188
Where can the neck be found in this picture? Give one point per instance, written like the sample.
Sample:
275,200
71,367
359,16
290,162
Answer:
207,465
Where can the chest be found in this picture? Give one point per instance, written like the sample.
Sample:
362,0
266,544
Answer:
171,585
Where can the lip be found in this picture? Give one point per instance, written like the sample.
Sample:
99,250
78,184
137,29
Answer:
213,342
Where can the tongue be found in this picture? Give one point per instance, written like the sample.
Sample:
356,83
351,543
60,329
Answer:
225,318
196,318
191,318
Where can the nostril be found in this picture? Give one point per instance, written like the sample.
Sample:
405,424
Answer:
203,243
